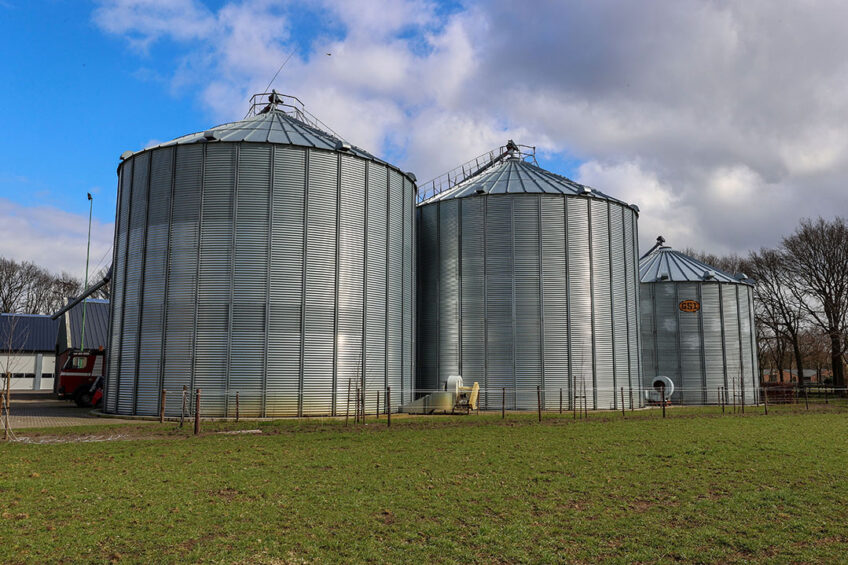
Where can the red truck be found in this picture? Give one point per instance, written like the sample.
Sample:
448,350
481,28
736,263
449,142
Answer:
81,377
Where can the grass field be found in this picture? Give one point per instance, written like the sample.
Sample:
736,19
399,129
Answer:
695,487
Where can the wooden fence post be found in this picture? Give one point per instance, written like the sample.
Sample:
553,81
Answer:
622,403
347,412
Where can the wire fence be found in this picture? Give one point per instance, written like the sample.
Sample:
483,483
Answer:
360,402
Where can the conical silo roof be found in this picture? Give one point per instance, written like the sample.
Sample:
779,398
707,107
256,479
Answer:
515,176
276,126
664,264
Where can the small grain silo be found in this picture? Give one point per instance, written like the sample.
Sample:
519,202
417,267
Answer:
265,257
527,279
697,328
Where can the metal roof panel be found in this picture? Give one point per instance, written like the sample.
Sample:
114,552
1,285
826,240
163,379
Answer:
664,264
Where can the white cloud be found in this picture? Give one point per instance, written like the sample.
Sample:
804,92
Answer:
52,238
725,122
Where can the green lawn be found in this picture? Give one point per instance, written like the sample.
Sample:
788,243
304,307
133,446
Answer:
695,487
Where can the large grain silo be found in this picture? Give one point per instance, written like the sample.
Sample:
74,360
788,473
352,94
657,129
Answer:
527,279
265,257
697,328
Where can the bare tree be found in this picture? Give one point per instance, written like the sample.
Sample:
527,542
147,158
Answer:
731,264
776,295
12,285
64,286
104,291
12,343
818,256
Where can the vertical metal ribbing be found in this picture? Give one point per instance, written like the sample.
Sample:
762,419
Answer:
230,309
403,297
704,396
723,342
124,286
108,365
741,354
386,290
167,275
755,365
627,302
363,364
485,302
110,354
571,377
141,284
197,278
541,299
677,339
655,333
413,258
438,280
612,309
271,180
592,304
300,391
637,290
333,394
514,321
459,283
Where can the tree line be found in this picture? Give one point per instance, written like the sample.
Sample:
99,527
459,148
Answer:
801,297
27,288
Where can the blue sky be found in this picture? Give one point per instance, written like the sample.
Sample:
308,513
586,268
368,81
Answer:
683,109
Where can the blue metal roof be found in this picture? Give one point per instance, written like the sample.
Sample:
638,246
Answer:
664,264
96,324
27,333
516,176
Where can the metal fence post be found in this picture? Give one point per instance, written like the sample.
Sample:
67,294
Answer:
503,403
162,408
389,407
806,399
237,406
183,406
378,404
197,413
539,400
560,400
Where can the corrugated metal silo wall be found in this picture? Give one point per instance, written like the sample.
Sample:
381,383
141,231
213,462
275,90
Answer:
701,351
520,291
278,272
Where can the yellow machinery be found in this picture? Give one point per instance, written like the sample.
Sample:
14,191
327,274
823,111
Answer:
455,398
466,397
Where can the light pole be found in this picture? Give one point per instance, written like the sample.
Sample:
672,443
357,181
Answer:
87,252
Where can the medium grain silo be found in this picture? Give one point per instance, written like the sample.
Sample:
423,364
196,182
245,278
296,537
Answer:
697,328
265,257
527,279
